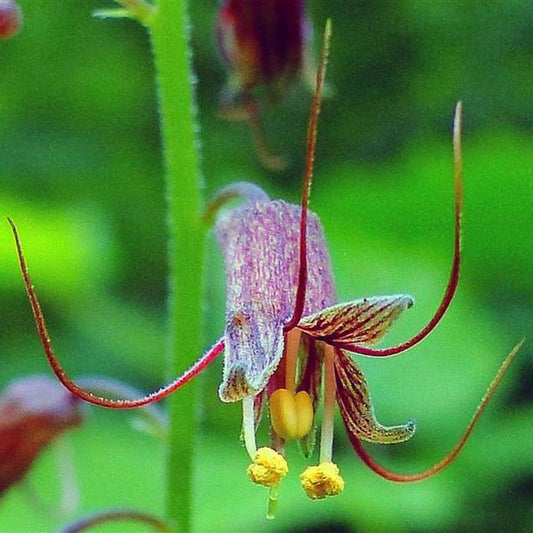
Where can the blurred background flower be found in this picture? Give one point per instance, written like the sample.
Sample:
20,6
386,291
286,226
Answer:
10,18
81,175
266,46
35,412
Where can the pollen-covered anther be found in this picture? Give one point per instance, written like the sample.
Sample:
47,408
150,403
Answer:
322,480
268,468
291,414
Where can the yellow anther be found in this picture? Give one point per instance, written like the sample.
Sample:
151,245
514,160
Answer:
322,480
304,408
291,415
268,468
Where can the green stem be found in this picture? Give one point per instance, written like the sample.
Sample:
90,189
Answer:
168,27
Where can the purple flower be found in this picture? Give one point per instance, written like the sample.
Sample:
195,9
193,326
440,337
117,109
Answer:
287,337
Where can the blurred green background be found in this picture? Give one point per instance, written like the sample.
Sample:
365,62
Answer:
81,175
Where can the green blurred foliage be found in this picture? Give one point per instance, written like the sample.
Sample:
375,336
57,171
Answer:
81,175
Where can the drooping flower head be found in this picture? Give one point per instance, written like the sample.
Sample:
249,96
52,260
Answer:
288,342
262,42
265,44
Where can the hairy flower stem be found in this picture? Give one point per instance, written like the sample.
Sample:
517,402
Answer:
169,33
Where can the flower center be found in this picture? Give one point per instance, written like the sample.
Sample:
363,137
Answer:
291,415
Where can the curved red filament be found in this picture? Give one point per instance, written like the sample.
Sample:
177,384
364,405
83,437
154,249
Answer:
409,478
80,392
308,178
456,263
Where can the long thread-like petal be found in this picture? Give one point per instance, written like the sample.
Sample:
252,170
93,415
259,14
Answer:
456,263
306,190
80,392
408,478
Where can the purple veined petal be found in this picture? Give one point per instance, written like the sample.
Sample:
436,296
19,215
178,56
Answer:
260,244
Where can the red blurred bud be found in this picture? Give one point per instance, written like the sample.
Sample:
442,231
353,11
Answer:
262,40
10,18
33,412
264,44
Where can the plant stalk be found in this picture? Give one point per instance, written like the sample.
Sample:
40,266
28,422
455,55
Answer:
168,28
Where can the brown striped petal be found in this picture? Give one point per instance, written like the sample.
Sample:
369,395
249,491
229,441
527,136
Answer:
361,322
356,407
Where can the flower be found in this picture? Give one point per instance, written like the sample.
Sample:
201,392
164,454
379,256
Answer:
10,18
286,334
265,43
34,411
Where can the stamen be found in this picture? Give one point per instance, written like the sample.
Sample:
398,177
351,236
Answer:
75,389
330,388
322,480
272,506
268,468
248,426
291,415
291,358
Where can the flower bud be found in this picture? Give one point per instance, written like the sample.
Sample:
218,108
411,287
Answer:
33,412
263,43
262,40
10,18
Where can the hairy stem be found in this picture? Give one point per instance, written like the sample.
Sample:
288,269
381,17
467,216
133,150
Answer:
169,32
